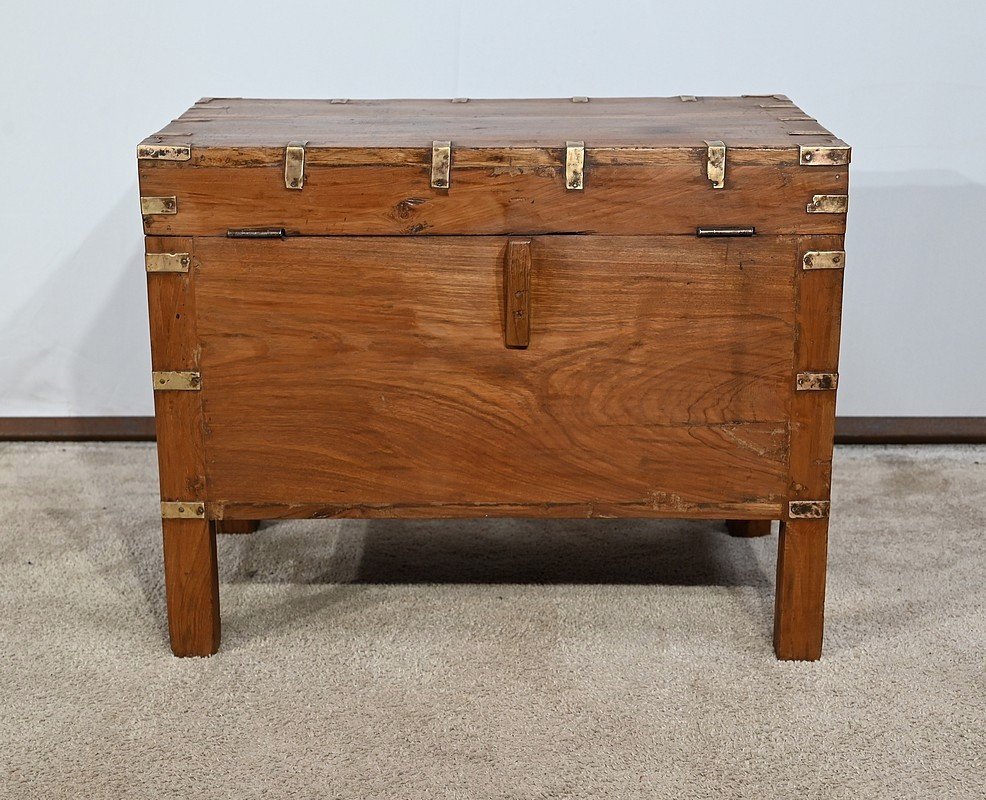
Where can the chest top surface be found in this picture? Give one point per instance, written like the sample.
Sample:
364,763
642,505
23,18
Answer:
590,165
767,122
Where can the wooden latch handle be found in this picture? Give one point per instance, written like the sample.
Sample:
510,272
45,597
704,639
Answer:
517,293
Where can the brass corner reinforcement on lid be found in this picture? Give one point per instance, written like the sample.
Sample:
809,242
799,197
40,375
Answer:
817,381
164,152
441,164
580,99
182,509
824,259
176,381
460,100
817,156
829,204
339,101
294,165
575,165
158,205
716,169
808,509
167,262
687,98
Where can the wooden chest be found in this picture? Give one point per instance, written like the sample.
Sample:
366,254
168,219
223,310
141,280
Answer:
522,308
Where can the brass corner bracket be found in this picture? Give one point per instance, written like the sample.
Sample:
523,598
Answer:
716,168
824,259
575,165
829,204
167,262
808,509
182,509
817,381
819,156
294,165
177,381
164,152
441,164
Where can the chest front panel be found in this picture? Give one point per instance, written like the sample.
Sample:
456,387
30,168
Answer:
357,372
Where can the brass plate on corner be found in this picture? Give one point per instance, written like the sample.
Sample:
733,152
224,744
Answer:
158,205
294,165
182,509
176,381
441,164
167,262
164,152
716,169
575,165
808,509
824,259
817,381
829,204
817,156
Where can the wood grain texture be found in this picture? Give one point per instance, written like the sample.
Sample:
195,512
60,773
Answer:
517,293
191,586
368,376
399,200
545,122
190,570
802,546
799,599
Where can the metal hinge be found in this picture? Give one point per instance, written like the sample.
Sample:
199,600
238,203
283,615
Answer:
441,164
816,156
824,259
829,204
164,152
158,205
725,231
294,165
182,509
716,169
167,262
575,165
177,381
255,233
808,509
817,381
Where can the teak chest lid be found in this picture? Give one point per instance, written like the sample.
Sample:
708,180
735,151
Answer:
599,165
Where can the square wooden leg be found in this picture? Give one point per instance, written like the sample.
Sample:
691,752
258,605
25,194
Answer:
746,528
799,608
191,578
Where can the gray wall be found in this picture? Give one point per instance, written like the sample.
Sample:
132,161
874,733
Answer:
84,82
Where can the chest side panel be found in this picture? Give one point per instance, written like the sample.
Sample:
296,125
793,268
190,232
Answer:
369,376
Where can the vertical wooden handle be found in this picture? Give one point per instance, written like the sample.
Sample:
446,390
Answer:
517,293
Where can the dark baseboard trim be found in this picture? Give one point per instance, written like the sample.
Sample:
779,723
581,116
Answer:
848,430
910,430
77,429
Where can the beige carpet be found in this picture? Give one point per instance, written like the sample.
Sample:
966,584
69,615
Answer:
509,659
